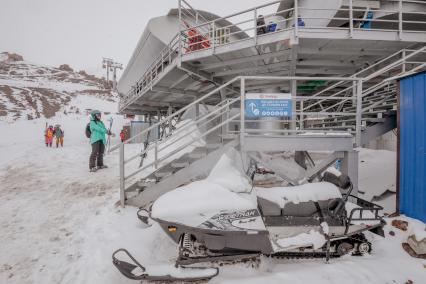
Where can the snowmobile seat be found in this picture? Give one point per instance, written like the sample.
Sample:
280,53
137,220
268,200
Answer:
308,209
268,208
302,209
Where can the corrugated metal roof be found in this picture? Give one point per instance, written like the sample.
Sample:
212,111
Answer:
412,159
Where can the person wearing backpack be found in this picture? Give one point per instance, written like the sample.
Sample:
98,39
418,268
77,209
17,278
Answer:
59,136
97,140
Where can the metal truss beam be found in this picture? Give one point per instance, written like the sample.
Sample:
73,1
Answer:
310,174
255,156
244,60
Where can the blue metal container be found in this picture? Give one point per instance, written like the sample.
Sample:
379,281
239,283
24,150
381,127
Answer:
412,146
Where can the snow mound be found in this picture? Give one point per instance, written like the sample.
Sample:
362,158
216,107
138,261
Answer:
198,201
420,234
228,172
418,229
334,171
3,56
301,193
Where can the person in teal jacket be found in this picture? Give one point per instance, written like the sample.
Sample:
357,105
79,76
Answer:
97,140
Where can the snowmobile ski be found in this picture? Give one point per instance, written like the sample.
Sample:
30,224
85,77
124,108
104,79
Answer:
143,216
136,271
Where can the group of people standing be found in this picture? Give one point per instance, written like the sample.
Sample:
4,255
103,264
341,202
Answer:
95,130
54,132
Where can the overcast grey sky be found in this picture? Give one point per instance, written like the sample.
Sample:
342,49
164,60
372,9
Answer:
81,32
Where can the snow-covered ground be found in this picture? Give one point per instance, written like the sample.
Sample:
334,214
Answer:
60,224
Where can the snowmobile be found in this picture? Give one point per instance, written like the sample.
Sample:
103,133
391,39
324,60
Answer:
312,220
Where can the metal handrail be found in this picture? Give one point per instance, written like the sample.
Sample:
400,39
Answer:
165,53
175,113
159,160
392,65
181,129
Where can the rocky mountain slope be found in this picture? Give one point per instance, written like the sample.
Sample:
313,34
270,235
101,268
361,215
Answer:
30,91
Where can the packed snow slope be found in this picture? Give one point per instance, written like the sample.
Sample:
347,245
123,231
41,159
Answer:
59,223
29,91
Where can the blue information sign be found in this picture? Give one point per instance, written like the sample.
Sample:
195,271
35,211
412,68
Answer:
268,105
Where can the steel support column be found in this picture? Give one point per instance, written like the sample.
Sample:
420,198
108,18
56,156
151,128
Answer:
223,117
242,113
122,182
293,104
358,112
350,168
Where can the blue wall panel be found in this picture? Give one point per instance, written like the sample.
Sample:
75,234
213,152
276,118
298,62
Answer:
412,151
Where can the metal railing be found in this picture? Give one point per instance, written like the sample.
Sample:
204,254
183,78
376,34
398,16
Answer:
197,33
147,81
258,21
226,119
399,63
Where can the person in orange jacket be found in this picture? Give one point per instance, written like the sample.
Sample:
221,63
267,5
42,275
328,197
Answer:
48,136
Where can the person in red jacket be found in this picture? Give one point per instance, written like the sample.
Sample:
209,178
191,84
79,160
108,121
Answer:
122,135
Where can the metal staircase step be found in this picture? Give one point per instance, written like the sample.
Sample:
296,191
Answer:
213,146
385,104
162,174
388,96
350,121
198,153
179,165
145,182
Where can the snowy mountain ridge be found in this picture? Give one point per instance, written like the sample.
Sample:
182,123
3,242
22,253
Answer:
29,91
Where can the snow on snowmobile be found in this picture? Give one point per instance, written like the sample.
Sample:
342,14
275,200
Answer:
225,218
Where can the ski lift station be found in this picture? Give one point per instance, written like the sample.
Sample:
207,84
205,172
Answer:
282,94
312,79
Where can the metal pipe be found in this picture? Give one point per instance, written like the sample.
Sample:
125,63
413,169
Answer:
351,19
242,113
296,21
358,113
400,19
122,180
293,105
156,155
255,26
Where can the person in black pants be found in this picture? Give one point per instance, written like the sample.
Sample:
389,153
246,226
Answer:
97,140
